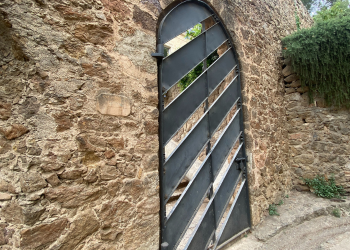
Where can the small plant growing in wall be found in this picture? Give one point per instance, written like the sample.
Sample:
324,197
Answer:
325,188
273,208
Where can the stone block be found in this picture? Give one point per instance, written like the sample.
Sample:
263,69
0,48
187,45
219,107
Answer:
40,236
295,84
291,78
5,197
115,105
304,159
14,131
287,71
72,196
302,90
31,182
144,19
83,225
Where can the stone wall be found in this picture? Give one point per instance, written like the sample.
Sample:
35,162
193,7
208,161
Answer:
79,125
319,136
78,117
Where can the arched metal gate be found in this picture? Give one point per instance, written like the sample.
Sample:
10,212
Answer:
207,233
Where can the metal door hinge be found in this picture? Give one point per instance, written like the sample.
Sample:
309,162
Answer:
159,54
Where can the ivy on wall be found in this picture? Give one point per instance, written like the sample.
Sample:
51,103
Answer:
320,55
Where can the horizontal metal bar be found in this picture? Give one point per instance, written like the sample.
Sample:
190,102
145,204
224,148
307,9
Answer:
180,160
189,13
238,216
181,62
185,209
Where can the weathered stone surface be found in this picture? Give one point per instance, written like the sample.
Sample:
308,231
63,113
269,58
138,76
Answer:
14,131
31,182
109,173
288,70
144,19
113,105
83,225
42,235
5,197
117,143
91,176
72,196
151,127
291,78
118,210
72,174
5,110
148,205
32,214
64,121
93,33
4,146
53,180
109,154
29,107
12,213
315,137
295,84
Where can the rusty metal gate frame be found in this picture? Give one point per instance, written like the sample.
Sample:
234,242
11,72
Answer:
172,170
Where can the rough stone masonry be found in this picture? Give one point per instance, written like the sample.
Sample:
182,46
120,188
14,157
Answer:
79,117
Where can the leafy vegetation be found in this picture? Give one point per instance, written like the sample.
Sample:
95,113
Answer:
312,5
193,74
273,210
320,55
325,188
338,10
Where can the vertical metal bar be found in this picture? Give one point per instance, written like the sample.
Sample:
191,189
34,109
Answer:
162,212
242,139
211,191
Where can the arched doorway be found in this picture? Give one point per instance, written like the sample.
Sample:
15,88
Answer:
207,164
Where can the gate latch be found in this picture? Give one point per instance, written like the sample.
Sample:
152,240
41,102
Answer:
240,165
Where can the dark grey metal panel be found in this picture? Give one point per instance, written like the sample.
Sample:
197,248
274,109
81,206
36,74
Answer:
238,217
176,114
204,231
182,18
185,210
224,145
219,202
223,105
186,153
178,64
222,68
226,190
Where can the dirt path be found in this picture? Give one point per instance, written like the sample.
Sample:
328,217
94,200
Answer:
305,222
